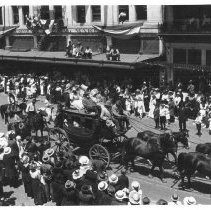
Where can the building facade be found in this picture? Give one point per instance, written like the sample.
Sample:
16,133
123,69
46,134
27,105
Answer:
76,23
186,32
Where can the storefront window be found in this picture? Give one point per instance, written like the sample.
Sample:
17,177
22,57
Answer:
124,9
81,15
179,56
141,12
96,13
1,16
44,12
15,14
194,57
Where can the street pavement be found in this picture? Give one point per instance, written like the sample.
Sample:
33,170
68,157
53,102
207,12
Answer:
151,187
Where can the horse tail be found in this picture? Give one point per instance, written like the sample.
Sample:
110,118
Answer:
2,111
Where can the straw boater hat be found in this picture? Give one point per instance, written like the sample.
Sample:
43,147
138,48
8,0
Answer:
49,152
120,195
25,159
84,160
135,186
102,186
102,177
77,174
135,198
7,150
45,158
174,197
69,184
189,201
113,179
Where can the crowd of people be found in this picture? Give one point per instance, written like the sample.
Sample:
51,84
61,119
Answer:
68,179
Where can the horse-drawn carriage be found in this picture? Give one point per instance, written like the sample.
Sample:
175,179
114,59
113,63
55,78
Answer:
90,134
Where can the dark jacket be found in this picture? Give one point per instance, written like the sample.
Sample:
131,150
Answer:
123,182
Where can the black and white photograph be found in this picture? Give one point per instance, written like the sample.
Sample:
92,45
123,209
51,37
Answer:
105,104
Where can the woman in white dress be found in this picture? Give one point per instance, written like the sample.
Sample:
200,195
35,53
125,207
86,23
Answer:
152,104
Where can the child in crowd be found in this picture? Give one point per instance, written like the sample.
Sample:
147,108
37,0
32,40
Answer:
156,114
198,122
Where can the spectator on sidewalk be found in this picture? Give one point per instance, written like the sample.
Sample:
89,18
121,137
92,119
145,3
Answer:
88,53
198,122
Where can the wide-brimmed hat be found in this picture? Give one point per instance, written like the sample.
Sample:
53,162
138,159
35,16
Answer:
102,186
18,138
113,179
83,160
174,197
25,159
146,201
102,177
77,174
120,195
69,184
45,158
135,198
7,150
135,186
49,152
189,201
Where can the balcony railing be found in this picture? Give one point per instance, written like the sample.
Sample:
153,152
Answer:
192,25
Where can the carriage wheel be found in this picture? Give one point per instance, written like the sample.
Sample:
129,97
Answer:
98,152
58,139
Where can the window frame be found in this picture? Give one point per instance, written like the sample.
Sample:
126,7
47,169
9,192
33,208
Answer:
77,14
13,20
119,10
143,10
100,19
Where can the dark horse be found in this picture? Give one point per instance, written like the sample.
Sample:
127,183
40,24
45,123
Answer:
177,136
204,148
189,163
35,122
154,150
8,110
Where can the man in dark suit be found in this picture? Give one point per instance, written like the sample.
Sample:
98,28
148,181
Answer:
123,181
182,117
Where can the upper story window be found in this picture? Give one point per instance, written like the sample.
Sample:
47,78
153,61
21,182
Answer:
44,12
1,16
141,12
25,10
15,14
58,12
96,13
81,14
194,57
124,9
179,56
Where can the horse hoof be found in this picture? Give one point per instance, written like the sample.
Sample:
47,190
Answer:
164,181
150,176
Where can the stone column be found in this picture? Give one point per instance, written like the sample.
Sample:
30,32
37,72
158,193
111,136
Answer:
132,13
109,41
203,57
35,41
21,18
88,14
74,15
109,17
7,17
102,10
154,14
115,14
69,16
10,12
7,40
161,46
51,12
31,11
